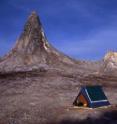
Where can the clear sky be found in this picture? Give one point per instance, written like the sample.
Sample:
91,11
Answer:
82,29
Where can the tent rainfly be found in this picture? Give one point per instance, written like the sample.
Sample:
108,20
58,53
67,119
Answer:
91,96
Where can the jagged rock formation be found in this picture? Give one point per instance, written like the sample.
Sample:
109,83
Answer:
32,50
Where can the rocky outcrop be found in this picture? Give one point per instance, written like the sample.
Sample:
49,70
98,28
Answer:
32,50
109,63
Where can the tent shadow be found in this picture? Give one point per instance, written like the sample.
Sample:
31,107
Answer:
107,118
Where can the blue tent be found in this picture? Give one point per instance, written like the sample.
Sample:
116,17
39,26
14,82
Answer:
91,96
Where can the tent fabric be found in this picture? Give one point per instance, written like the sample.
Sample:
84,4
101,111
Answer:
94,95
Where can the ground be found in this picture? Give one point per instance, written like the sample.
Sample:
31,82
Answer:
47,98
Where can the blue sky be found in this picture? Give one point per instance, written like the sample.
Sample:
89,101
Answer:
82,29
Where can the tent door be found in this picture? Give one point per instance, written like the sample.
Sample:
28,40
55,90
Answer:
82,101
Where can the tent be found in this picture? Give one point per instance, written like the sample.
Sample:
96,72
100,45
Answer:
91,96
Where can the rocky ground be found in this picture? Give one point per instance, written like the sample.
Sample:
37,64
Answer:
47,97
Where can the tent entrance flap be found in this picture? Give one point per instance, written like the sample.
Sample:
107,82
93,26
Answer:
82,101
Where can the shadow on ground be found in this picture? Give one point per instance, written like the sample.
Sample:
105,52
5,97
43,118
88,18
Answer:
106,118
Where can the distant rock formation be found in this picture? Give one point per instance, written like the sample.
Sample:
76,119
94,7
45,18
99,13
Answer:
32,50
110,62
